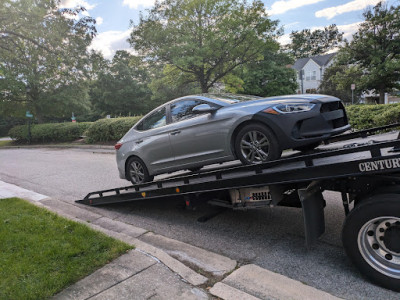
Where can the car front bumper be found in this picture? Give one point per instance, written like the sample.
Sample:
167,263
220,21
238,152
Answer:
302,128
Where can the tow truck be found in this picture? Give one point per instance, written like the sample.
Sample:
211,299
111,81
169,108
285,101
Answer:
366,174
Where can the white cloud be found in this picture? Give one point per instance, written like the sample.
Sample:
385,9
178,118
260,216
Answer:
109,42
349,30
284,39
99,20
75,3
355,5
134,4
291,24
282,6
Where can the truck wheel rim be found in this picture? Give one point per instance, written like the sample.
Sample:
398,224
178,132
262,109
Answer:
254,146
136,172
378,242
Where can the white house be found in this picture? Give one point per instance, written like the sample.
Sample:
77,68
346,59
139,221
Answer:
310,71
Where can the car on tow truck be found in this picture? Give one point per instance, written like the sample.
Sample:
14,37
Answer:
194,131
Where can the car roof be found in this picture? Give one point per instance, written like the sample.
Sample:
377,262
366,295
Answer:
233,98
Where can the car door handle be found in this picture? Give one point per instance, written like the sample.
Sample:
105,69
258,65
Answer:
139,141
175,132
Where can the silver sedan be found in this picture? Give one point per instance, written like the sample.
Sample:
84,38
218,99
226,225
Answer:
194,131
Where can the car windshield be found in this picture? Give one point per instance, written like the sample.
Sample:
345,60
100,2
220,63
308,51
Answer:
231,98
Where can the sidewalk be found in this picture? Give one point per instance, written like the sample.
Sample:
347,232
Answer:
162,268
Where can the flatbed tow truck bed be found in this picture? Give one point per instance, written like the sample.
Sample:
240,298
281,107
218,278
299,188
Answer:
366,174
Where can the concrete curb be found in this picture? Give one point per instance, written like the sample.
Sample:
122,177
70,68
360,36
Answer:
212,263
175,265
265,284
224,291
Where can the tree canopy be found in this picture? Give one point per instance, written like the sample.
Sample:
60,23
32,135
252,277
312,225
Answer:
306,43
375,49
204,39
121,86
270,76
43,53
371,60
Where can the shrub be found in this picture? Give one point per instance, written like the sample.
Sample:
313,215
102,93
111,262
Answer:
44,133
109,130
19,133
368,116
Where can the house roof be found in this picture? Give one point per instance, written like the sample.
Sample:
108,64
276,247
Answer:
321,60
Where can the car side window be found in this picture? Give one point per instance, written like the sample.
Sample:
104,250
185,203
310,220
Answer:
182,110
155,120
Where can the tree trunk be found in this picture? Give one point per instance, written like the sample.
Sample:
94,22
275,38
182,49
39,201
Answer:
203,82
37,115
381,96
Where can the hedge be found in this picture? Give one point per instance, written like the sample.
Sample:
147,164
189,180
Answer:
368,116
44,133
106,130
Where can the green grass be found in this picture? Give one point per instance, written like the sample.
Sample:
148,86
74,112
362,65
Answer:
42,253
5,143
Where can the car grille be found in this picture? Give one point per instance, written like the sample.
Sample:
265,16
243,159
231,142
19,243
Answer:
334,106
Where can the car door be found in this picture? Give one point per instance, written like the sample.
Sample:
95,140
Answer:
195,138
153,141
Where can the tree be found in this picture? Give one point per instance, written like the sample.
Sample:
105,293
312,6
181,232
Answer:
271,76
205,39
43,56
375,49
122,88
306,43
169,82
337,81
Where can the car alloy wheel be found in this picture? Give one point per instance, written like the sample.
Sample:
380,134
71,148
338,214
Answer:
137,171
254,146
255,143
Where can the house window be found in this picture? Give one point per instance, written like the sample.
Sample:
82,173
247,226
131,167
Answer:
311,75
314,75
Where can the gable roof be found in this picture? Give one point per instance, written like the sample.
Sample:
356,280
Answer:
300,63
321,60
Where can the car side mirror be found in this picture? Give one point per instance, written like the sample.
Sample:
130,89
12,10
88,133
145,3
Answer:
203,108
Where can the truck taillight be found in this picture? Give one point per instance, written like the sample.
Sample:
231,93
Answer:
117,146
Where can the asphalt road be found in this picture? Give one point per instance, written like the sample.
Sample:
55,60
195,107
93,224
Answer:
271,238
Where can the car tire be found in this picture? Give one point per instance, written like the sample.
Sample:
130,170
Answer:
137,172
371,239
256,143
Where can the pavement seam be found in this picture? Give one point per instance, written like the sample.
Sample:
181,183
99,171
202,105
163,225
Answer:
98,293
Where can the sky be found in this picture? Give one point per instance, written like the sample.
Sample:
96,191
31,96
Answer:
113,17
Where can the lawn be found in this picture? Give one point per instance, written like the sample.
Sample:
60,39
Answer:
6,143
42,253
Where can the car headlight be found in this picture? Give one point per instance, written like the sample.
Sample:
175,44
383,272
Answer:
288,108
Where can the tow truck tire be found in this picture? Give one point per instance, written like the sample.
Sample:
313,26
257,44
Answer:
136,171
371,238
256,143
